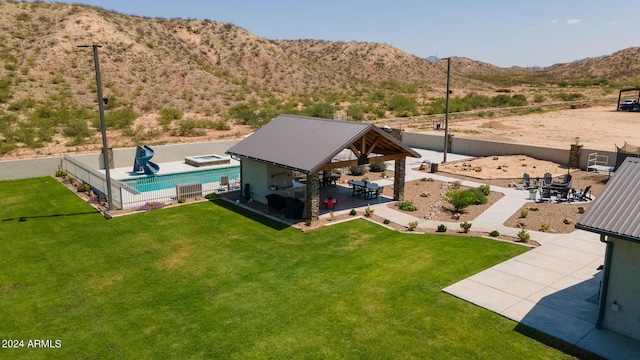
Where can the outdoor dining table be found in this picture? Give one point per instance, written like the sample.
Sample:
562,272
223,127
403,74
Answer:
364,187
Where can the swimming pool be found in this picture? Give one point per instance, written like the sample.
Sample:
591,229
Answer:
168,181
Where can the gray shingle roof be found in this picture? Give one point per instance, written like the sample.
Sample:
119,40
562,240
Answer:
306,143
616,211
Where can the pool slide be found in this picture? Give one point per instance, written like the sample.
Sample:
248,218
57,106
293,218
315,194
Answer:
142,163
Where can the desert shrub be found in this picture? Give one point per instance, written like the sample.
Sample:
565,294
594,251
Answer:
181,200
534,209
23,104
466,226
544,227
524,213
485,189
354,114
167,115
455,185
221,125
116,119
567,96
413,225
377,167
494,233
61,173
403,106
84,187
188,127
77,128
523,235
323,110
441,228
357,170
407,205
368,211
460,199
5,90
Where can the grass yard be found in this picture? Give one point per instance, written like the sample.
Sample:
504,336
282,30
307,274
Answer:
210,281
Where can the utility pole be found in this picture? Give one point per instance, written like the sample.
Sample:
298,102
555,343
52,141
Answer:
103,128
446,113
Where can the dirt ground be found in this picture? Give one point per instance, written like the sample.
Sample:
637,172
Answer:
599,128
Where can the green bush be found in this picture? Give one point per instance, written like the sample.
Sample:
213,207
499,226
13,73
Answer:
485,189
407,205
386,221
481,198
494,233
524,235
544,227
368,211
524,213
378,167
181,200
353,212
188,127
466,226
403,106
413,225
116,119
357,170
61,173
167,115
460,199
441,228
84,187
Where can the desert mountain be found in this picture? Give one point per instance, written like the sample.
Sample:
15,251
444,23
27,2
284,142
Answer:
216,73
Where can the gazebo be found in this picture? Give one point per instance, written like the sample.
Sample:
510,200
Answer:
270,156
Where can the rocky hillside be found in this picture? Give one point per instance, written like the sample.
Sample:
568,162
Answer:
184,80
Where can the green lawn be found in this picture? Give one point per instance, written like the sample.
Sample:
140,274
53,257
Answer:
210,281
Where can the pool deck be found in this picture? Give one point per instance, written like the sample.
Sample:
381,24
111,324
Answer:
167,168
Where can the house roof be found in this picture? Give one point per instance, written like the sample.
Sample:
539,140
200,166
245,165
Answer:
616,211
307,144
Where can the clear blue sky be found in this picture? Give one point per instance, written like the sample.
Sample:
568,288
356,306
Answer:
499,32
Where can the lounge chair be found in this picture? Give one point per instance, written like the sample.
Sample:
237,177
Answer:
584,194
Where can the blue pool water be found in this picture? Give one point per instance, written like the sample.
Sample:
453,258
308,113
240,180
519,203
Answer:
161,182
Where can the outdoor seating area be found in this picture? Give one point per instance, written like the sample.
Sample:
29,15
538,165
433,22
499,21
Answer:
366,189
558,190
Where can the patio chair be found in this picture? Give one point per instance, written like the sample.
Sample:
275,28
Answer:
547,179
583,194
527,182
563,195
545,194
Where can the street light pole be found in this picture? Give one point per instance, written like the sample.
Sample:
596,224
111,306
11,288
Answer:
103,128
446,113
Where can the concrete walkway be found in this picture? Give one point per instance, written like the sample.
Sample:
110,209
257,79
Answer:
552,288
